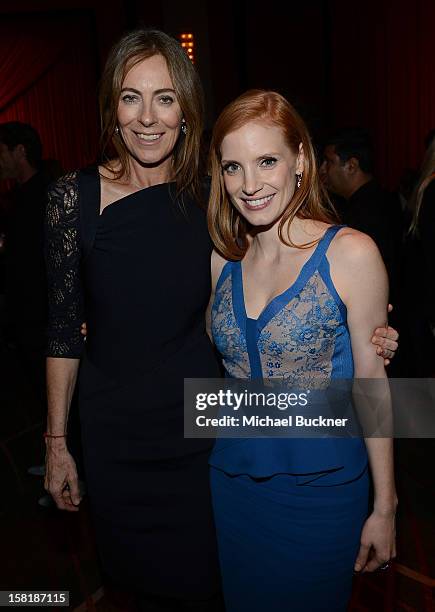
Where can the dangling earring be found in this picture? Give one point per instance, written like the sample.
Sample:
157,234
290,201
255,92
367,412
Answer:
299,179
117,130
184,126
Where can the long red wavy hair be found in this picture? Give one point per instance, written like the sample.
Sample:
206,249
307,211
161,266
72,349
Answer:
228,229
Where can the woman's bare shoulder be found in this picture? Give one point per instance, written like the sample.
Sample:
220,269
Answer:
352,246
356,265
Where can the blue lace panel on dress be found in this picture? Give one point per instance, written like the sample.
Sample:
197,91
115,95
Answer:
305,340
302,337
227,335
299,341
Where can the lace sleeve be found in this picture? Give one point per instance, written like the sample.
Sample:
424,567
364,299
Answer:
62,252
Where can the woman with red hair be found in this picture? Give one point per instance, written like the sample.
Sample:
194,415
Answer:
295,298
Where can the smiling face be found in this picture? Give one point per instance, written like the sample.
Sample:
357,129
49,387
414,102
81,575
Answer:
149,115
260,171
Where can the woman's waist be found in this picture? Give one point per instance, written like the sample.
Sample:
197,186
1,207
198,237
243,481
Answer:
187,355
307,458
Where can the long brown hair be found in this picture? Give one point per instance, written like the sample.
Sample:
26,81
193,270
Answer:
228,229
129,51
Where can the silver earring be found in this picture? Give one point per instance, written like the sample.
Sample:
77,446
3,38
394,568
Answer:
183,126
117,130
299,179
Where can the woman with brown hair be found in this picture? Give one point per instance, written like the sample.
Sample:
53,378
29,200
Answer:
295,297
128,251
127,244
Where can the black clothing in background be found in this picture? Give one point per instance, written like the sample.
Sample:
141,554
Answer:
26,285
426,237
376,212
25,282
338,203
418,292
4,208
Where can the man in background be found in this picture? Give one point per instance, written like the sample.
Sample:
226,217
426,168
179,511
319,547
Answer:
348,172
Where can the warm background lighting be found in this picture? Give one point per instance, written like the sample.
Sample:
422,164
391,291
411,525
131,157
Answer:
188,43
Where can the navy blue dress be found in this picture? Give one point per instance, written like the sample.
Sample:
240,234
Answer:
288,512
141,280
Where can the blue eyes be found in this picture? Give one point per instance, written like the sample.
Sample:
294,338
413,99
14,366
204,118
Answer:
266,162
231,168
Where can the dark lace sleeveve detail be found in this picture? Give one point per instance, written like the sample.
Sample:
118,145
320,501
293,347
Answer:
63,255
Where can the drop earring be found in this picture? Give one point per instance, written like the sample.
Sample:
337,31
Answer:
117,130
184,126
298,179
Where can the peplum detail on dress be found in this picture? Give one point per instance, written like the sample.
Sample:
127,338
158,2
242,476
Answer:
302,338
320,461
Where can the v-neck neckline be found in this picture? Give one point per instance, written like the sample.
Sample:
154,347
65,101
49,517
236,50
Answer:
278,302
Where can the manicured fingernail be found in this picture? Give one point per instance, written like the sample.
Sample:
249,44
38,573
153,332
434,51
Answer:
357,567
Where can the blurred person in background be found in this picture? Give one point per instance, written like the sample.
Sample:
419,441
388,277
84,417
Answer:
419,272
4,209
22,248
25,278
348,171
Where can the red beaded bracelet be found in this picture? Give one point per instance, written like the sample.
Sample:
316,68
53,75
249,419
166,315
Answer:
47,435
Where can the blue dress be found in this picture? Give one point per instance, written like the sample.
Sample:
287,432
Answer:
288,512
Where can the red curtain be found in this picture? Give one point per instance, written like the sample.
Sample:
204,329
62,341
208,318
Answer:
48,79
383,76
